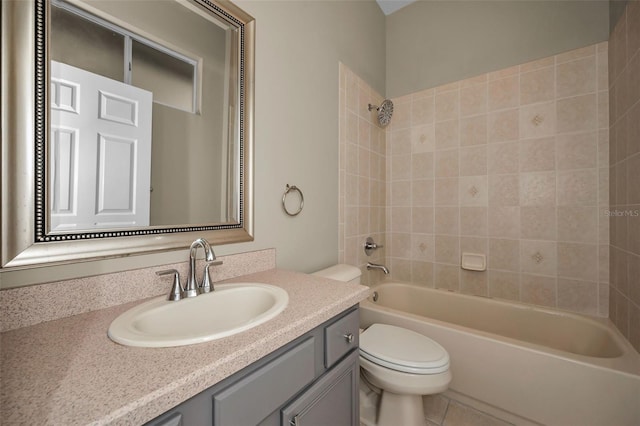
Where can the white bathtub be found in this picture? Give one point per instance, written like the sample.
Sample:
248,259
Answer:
537,364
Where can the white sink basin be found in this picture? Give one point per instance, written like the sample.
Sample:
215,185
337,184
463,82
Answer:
230,309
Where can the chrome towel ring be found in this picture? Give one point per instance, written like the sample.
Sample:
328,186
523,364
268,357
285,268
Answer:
284,197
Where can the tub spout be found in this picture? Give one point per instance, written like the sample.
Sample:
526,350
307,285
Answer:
371,266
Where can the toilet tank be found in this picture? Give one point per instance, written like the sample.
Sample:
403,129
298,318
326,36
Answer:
341,272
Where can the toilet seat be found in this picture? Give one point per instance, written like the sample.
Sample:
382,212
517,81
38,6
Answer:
403,350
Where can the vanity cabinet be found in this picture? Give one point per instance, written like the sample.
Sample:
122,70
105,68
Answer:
312,380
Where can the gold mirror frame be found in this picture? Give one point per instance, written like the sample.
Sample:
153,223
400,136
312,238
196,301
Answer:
25,91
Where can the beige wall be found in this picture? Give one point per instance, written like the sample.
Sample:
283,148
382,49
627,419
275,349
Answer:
298,48
624,99
434,42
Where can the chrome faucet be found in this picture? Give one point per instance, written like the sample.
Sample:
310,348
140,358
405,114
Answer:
371,266
192,289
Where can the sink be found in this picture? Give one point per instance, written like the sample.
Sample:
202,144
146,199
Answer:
230,309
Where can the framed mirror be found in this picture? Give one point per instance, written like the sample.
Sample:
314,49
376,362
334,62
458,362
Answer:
127,128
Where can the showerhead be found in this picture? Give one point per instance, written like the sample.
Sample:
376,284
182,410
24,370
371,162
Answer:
385,111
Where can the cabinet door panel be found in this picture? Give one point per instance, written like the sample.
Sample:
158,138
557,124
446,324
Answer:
254,397
332,400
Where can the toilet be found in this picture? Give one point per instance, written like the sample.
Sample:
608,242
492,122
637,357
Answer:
403,364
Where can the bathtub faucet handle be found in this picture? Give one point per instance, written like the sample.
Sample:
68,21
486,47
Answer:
370,246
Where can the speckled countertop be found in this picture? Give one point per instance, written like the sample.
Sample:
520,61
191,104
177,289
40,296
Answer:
68,372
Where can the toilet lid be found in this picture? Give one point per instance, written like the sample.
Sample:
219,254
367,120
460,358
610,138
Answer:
403,350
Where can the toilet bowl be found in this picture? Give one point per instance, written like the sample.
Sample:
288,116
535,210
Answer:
403,364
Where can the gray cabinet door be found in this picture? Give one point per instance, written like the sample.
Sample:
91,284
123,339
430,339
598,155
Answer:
331,401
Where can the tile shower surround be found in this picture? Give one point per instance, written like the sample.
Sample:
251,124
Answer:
624,177
362,168
512,163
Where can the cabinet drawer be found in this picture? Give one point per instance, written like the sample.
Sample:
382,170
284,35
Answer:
340,337
254,397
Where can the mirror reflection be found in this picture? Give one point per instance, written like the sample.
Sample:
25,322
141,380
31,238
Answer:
144,116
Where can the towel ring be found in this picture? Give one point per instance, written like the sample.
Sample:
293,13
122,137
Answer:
284,197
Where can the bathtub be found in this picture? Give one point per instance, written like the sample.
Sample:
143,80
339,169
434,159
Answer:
523,363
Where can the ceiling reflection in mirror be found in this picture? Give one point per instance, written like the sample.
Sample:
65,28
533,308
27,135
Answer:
145,119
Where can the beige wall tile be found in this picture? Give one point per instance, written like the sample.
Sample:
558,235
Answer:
474,190
503,126
537,86
423,138
539,120
603,109
633,179
633,29
504,190
422,110
422,165
401,113
446,191
422,192
503,93
537,64
400,194
504,254
447,134
503,158
578,224
504,285
423,247
422,219
447,249
400,219
422,273
577,150
473,100
633,130
602,60
447,276
538,189
538,290
470,244
473,221
578,187
400,245
474,282
446,220
538,257
400,142
503,73
603,263
576,114
447,163
504,221
538,155
575,54
577,77
473,160
578,296
447,105
401,167
538,223
473,130
579,261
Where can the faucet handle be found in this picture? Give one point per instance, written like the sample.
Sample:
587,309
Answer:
176,288
370,246
207,285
